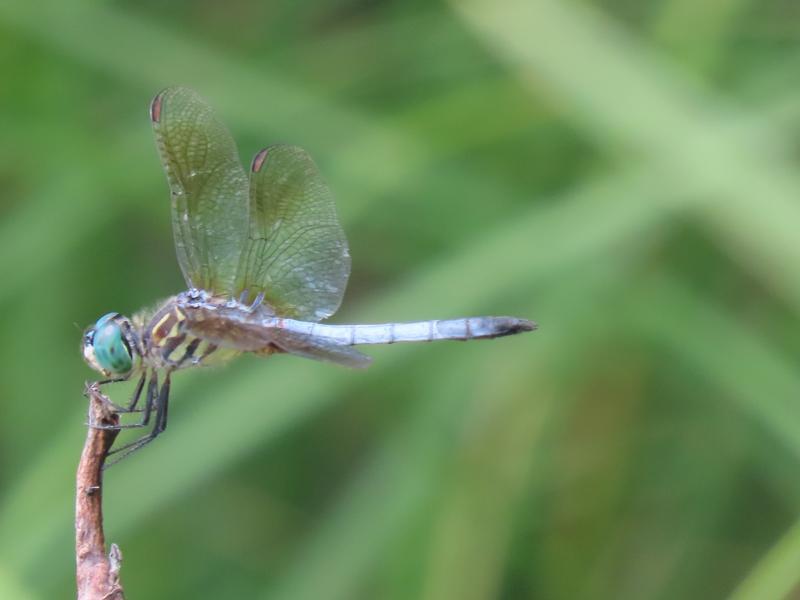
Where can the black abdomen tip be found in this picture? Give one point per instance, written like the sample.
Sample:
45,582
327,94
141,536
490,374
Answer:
512,325
525,325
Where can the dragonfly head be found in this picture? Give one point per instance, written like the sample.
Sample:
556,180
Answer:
109,346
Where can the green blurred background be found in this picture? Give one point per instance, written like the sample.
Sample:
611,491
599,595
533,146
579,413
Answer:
625,172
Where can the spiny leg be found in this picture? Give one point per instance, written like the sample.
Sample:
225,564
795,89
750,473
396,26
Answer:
114,380
114,405
161,408
163,400
150,400
137,393
152,390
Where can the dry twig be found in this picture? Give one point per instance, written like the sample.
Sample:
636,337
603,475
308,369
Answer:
97,574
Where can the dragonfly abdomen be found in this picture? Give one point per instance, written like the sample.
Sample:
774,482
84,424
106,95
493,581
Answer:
420,331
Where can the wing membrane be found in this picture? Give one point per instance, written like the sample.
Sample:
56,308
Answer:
296,253
208,187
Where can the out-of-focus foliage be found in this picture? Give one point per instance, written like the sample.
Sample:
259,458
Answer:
625,173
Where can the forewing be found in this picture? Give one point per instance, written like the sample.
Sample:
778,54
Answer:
296,253
208,187
232,328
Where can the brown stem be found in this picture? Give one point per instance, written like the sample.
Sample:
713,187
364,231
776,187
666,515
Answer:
97,574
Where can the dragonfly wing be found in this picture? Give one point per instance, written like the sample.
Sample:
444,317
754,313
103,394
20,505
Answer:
296,253
320,348
208,186
233,328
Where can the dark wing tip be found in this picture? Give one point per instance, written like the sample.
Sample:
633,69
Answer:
525,325
258,160
155,106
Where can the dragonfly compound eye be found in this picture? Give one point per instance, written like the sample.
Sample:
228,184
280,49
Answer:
105,347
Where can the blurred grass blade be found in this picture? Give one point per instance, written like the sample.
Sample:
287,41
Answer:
703,44
777,574
752,373
742,170
403,477
475,517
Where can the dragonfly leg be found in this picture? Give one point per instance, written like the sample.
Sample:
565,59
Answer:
114,405
161,406
134,399
151,392
114,380
152,389
137,393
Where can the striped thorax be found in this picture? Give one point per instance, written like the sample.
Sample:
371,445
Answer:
168,345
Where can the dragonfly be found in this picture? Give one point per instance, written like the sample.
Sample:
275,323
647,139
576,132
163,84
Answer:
265,260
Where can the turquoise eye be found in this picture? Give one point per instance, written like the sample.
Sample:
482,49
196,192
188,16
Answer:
110,349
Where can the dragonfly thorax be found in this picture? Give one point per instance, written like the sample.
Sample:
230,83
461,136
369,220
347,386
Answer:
110,346
169,339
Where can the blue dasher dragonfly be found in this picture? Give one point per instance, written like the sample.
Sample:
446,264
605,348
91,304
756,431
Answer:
265,260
